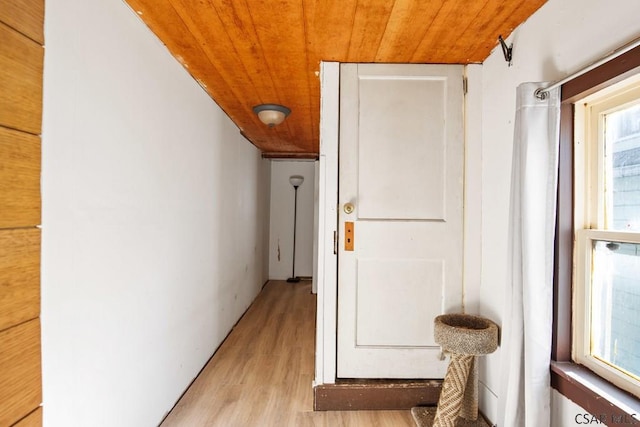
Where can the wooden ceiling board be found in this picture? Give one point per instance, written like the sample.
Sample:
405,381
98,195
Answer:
24,16
312,71
409,23
218,53
326,35
367,29
467,39
249,52
444,31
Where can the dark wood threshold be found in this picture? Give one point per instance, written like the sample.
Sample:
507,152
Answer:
597,396
354,395
286,156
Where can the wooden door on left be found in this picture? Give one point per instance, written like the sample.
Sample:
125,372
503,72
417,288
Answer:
21,67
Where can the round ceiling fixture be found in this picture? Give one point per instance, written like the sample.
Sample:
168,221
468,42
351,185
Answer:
271,114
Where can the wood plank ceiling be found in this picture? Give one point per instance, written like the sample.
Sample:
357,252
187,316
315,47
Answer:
249,52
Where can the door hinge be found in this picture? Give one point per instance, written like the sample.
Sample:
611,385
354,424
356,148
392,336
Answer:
465,85
335,243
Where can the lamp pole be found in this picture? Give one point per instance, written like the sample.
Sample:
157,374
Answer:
296,181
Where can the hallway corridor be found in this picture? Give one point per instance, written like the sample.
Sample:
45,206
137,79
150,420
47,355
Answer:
262,374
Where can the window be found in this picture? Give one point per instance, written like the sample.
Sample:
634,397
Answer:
593,353
606,335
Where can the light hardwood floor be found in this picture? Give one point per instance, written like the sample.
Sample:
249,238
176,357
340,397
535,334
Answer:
262,374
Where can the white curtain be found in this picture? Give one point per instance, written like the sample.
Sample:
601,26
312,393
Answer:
525,395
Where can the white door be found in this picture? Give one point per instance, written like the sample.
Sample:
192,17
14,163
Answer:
401,168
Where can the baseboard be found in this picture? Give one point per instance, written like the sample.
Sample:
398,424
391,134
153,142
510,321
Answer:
354,395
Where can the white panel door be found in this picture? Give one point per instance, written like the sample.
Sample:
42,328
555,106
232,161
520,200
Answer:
401,167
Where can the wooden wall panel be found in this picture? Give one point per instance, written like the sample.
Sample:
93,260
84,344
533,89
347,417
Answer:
19,276
20,178
20,367
34,419
25,16
20,81
21,71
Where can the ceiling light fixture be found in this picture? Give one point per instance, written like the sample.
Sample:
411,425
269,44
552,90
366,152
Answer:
271,114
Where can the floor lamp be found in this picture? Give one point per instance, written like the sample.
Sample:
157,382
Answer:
296,181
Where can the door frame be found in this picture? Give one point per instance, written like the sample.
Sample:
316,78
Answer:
326,278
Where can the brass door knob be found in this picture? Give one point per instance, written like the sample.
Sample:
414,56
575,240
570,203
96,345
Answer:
349,208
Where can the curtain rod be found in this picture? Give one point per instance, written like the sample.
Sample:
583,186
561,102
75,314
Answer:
543,93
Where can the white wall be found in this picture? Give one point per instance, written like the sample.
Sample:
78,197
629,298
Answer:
155,220
561,38
472,189
281,228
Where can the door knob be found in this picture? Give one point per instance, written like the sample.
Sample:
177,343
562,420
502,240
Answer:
348,208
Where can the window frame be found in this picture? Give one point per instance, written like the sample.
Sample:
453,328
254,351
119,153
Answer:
581,385
581,340
592,218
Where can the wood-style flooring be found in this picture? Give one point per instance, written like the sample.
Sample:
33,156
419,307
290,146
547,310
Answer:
262,374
